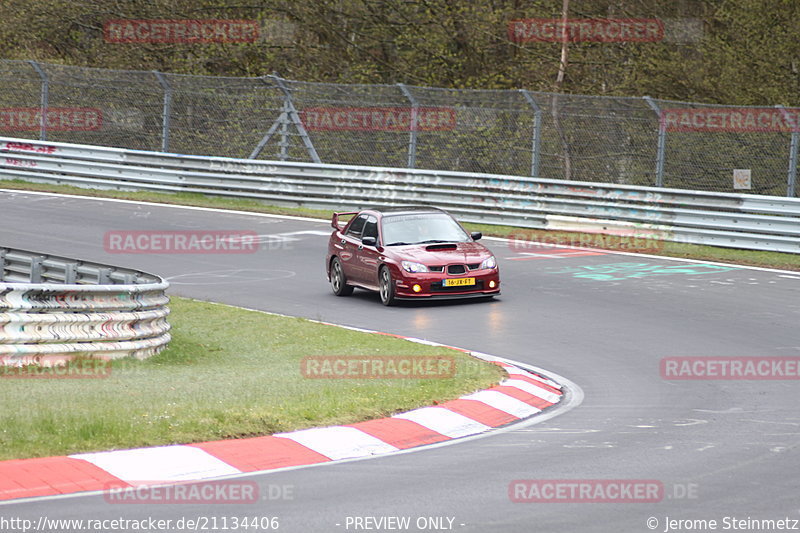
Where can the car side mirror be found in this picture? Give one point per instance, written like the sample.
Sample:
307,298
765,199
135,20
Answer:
369,241
476,235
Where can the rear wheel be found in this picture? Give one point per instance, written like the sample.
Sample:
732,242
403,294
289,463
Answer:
386,286
338,281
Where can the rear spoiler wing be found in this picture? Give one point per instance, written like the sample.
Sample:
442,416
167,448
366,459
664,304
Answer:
335,218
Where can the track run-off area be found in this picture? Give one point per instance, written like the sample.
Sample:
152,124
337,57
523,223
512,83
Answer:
718,449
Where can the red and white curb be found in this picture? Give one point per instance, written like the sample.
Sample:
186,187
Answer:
520,396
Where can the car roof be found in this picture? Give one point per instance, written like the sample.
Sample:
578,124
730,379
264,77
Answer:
405,209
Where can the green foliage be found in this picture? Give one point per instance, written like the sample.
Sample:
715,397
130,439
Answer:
713,51
736,55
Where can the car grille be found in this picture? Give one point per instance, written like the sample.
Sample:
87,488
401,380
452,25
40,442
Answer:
456,269
474,266
436,268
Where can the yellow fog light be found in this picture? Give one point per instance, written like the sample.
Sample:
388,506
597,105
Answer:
416,288
492,284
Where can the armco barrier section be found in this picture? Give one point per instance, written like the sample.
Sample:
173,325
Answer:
53,308
756,222
639,141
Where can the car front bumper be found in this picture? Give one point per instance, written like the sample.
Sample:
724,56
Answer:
431,285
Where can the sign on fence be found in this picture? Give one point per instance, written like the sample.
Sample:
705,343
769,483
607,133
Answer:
741,178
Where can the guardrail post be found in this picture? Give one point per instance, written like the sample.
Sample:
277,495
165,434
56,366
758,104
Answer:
662,142
44,99
289,113
165,110
71,273
536,138
104,276
3,253
412,138
36,269
792,176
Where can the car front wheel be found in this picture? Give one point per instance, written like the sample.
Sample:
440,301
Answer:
338,281
386,286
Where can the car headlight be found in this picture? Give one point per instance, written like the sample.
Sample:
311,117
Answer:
416,268
489,262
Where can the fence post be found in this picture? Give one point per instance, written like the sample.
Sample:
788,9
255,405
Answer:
284,143
412,137
284,120
792,179
792,176
44,99
289,114
165,110
662,141
537,132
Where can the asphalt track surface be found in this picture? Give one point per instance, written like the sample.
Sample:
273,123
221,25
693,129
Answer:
720,448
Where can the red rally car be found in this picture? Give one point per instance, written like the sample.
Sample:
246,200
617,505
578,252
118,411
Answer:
411,253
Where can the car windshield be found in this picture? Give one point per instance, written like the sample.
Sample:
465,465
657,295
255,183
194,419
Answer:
421,228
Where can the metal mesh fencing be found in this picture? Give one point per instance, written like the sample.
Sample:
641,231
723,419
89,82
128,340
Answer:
353,124
611,140
624,140
705,143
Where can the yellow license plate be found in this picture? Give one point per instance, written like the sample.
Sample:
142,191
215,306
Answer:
458,282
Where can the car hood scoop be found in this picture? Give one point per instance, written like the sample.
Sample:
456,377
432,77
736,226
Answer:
441,246
442,253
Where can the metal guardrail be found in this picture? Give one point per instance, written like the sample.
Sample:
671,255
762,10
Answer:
639,141
756,222
55,308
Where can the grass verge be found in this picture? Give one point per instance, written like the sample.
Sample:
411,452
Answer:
228,373
778,260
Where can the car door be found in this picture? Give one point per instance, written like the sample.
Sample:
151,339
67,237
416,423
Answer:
369,256
350,243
